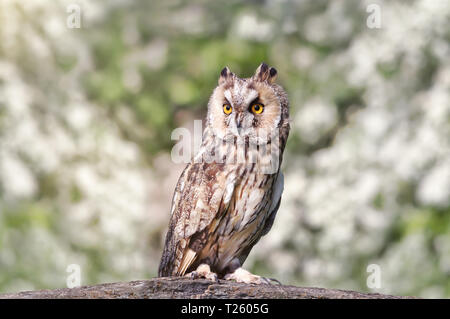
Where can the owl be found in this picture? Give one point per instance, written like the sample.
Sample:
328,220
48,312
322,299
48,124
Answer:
227,197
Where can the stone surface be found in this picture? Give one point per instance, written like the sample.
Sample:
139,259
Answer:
195,289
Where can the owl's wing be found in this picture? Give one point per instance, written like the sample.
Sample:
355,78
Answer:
203,191
276,200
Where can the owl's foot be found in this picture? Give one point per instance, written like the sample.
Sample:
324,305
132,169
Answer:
242,275
203,271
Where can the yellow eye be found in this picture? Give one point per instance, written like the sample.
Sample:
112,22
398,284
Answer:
227,109
257,108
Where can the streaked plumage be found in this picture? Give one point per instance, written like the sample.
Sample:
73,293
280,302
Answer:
221,209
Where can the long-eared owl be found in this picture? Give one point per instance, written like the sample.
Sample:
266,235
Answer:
228,195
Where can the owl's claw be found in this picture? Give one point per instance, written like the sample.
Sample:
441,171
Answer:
275,280
203,271
242,275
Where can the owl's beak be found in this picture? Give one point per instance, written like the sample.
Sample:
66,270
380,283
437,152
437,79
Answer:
239,119
239,128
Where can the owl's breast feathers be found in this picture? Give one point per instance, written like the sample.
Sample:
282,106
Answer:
219,211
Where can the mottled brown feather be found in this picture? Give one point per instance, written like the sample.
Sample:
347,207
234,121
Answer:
221,210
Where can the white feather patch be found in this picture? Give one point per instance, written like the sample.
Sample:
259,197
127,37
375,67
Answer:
188,259
229,189
251,95
253,201
227,94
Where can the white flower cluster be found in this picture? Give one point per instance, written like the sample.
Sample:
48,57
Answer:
373,186
340,205
65,170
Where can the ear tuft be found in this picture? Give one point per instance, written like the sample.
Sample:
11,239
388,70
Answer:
263,68
265,74
225,74
224,71
273,72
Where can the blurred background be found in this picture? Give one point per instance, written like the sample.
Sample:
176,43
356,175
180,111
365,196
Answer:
86,116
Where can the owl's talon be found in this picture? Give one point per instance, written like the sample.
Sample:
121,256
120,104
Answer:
212,276
242,275
274,280
192,275
203,271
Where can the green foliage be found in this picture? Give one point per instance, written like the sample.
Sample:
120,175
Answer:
86,117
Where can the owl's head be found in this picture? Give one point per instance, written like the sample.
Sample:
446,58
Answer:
248,107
